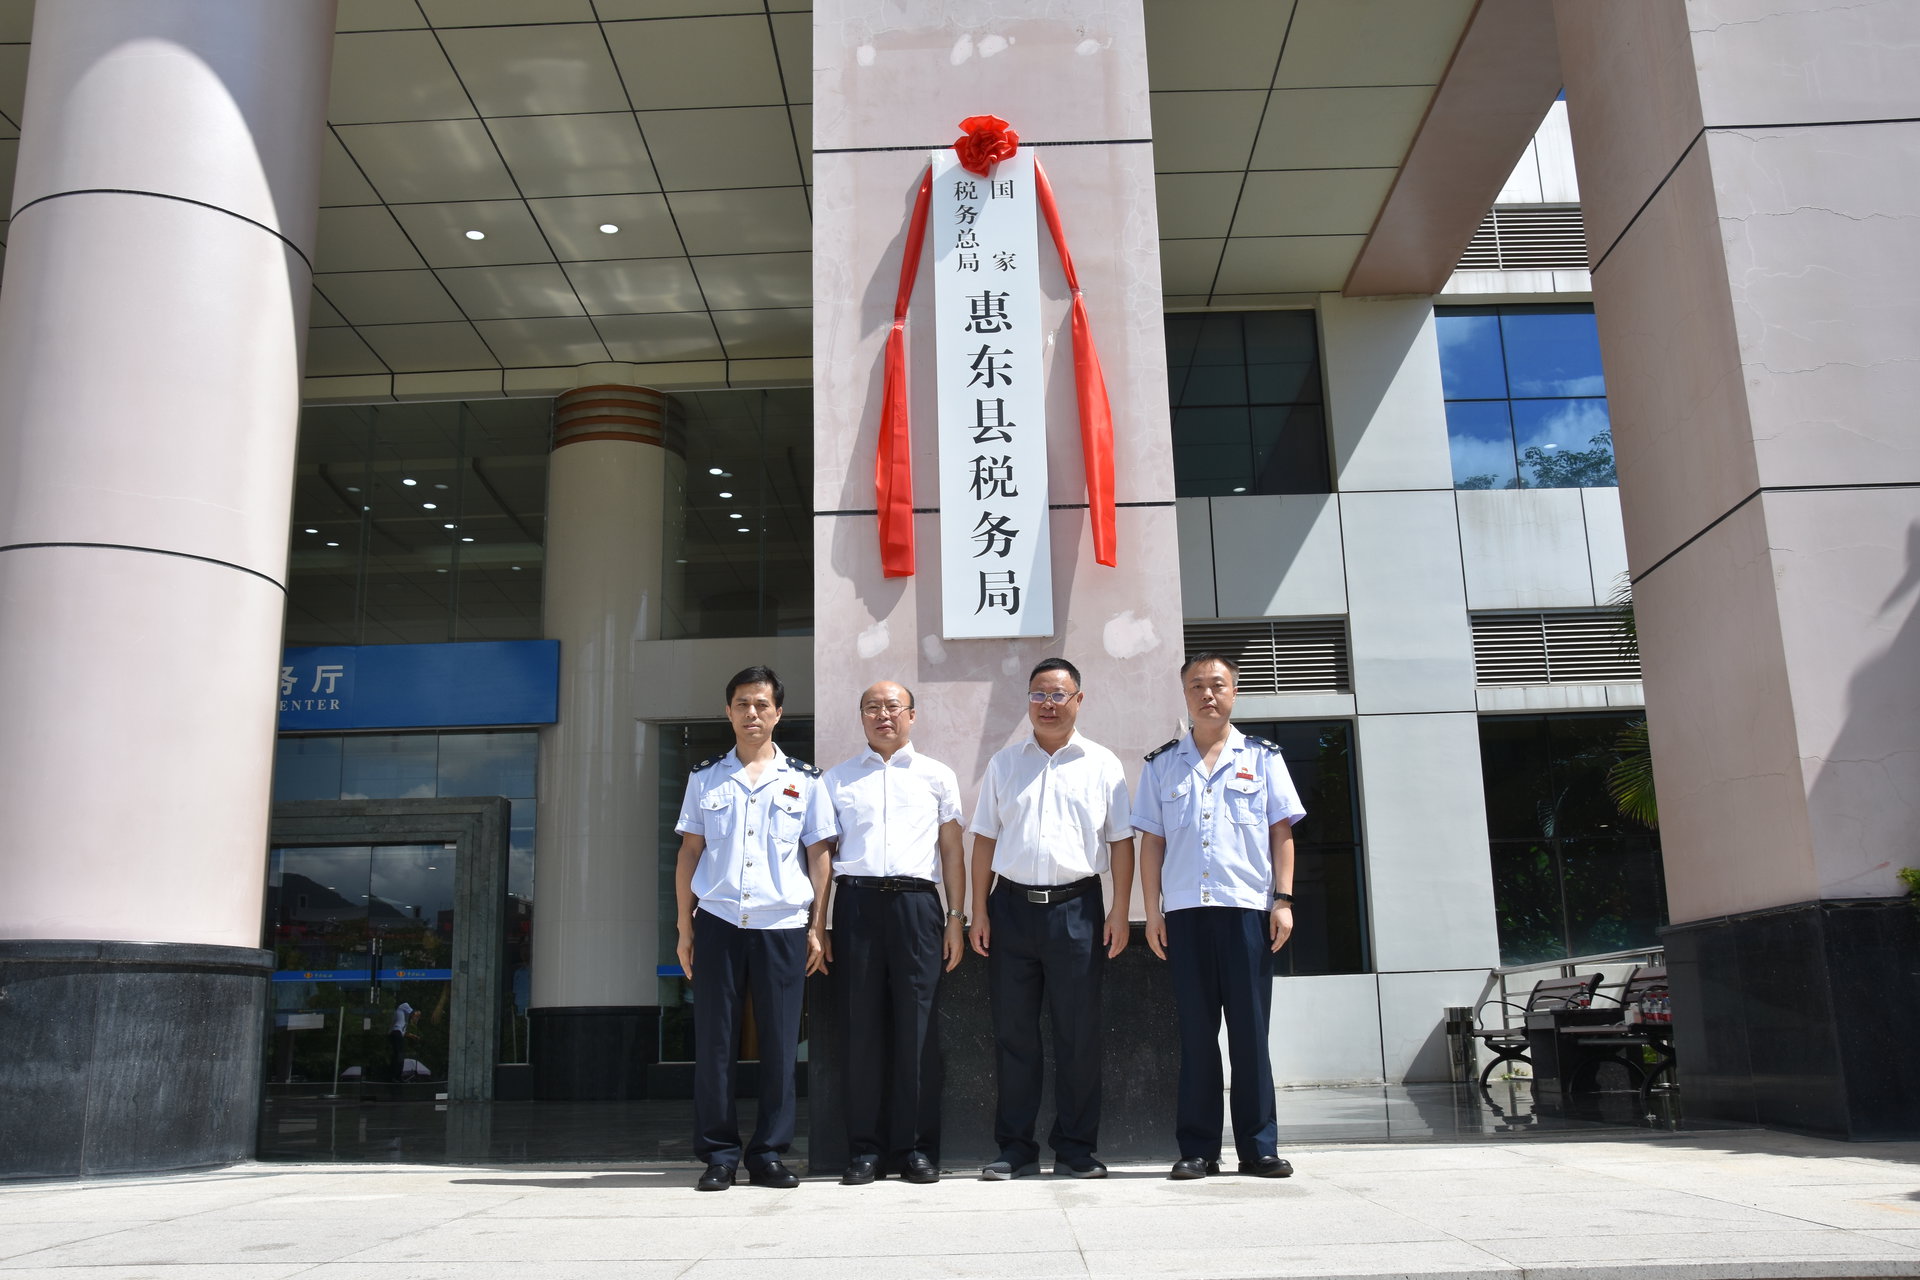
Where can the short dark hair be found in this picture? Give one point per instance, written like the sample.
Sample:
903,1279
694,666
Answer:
759,675
1233,668
1045,665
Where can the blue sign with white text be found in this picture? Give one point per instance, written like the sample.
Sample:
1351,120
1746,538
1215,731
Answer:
420,686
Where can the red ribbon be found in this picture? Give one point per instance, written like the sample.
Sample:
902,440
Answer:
990,141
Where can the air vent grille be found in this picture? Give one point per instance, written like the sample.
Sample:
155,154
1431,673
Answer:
1528,238
1279,656
1571,647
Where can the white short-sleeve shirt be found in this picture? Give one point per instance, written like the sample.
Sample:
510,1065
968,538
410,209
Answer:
1052,816
753,871
1216,822
889,813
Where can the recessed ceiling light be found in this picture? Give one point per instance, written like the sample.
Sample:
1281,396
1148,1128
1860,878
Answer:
607,228
313,531
676,562
449,526
744,529
476,235
439,570
466,539
734,515
725,494
1240,489
430,506
409,480
353,488
516,568
715,471
333,544
439,486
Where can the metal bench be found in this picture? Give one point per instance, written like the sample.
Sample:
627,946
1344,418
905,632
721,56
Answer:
1626,1043
1509,1043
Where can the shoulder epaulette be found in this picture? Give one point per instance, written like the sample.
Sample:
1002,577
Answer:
811,771
1165,746
709,762
1263,744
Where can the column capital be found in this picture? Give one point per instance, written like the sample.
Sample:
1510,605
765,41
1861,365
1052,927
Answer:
610,411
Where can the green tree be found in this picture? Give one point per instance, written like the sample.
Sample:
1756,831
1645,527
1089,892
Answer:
1590,468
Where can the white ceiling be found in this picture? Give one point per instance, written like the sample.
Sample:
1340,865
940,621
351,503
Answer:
1278,124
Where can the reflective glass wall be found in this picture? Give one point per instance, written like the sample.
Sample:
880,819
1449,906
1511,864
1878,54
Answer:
1249,415
1330,907
1526,397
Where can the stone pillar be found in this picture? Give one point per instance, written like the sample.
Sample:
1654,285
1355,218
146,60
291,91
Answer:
892,81
151,335
617,454
1750,188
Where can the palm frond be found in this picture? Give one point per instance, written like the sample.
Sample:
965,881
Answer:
1630,779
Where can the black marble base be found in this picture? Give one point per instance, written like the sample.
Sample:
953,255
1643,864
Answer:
128,1057
1804,1017
595,1053
1140,1069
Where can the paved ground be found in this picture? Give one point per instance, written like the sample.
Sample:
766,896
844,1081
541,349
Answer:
1746,1205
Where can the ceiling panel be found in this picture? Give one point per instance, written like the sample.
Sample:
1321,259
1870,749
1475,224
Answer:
723,147
377,15
697,62
334,353
422,348
16,20
743,221
320,313
341,181
1372,42
651,339
764,335
441,232
387,297
13,80
573,225
362,239
486,13
1187,266
393,75
1194,205
1214,44
1286,264
1198,132
1344,128
1311,202
803,131
793,42
436,160
620,10
528,344
756,280
499,293
575,155
649,284
544,70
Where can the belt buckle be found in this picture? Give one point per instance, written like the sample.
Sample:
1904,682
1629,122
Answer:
1041,896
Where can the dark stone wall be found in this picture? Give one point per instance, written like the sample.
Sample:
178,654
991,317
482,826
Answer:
1140,1071
595,1053
1804,1017
128,1057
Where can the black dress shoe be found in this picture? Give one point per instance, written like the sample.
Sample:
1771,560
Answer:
1267,1167
1078,1167
718,1177
774,1174
1189,1167
860,1171
919,1169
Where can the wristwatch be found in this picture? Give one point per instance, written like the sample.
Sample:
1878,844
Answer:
1282,899
954,913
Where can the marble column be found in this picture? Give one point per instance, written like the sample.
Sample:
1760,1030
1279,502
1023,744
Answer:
1751,178
151,336
892,81
617,456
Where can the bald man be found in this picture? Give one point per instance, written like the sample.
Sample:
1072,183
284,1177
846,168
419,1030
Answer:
898,814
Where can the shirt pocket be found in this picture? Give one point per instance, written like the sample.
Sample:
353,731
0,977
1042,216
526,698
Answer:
789,817
1176,804
1247,802
716,813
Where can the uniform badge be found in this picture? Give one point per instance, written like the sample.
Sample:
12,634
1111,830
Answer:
790,793
1243,774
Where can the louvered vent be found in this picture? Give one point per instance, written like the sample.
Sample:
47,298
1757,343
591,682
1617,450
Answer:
1279,656
1574,647
1528,238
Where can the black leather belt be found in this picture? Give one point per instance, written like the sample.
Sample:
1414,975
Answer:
1045,894
889,884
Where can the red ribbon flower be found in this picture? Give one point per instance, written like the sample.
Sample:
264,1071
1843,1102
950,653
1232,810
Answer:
988,142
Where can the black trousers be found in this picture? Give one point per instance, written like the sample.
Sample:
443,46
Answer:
886,953
1047,954
728,963
1221,963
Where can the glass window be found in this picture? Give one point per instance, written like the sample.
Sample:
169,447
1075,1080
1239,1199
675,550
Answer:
1572,876
1526,397
1247,404
1329,910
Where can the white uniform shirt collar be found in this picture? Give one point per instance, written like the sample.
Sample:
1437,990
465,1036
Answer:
1191,749
739,769
1074,743
902,757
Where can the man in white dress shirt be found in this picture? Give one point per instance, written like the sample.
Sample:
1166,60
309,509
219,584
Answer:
1216,811
1052,816
898,813
753,860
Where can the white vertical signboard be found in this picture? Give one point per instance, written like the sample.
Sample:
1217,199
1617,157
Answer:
996,568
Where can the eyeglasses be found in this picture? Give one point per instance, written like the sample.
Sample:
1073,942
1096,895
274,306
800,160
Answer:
874,710
1056,697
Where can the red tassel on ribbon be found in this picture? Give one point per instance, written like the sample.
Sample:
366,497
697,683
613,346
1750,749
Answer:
893,462
1090,389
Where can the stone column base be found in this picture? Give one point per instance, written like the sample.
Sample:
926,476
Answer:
596,1053
128,1057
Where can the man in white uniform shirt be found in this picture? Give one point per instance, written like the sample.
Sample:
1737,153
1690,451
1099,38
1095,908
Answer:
753,859
898,813
1052,816
1216,811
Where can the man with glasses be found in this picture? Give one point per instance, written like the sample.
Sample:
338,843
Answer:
1216,813
1052,816
898,813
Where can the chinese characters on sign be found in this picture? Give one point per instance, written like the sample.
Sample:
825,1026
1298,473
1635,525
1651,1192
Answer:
996,576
